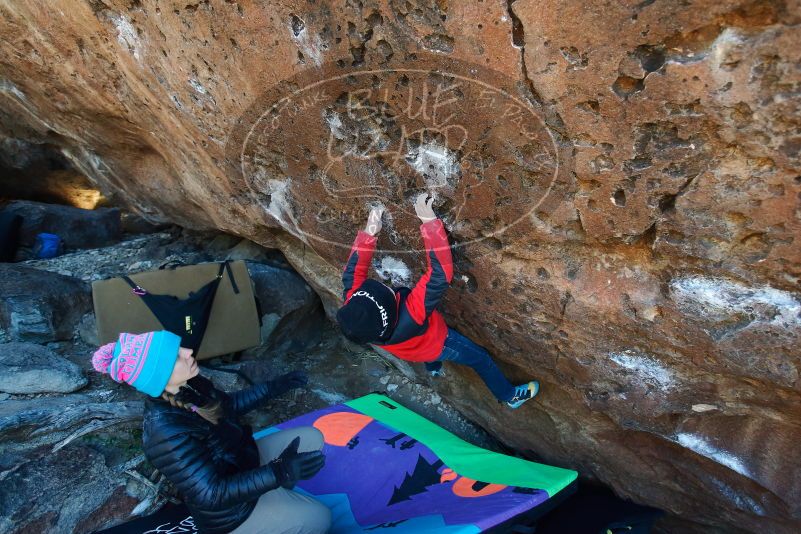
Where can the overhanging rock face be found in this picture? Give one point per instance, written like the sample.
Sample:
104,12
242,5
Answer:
620,179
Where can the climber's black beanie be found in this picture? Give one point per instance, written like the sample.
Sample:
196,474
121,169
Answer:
370,314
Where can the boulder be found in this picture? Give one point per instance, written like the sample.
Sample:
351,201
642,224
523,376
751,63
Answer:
280,290
78,228
26,423
82,493
87,330
135,224
291,311
40,306
29,368
248,250
620,181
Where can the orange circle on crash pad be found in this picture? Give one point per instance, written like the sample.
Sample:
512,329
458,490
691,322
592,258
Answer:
339,428
464,488
447,475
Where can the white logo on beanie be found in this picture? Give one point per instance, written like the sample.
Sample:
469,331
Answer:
381,309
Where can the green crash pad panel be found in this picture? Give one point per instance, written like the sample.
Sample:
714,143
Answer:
233,323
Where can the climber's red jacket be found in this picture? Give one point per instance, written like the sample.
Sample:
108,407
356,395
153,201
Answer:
420,331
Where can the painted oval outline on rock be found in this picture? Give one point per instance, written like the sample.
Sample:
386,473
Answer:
272,190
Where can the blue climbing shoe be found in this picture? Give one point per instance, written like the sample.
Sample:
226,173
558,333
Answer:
435,369
524,393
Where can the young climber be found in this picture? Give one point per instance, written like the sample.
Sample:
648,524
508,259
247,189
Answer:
192,434
405,321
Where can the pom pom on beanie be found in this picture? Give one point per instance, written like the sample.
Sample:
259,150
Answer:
101,360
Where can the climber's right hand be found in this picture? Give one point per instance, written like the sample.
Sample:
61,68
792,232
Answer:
292,466
374,221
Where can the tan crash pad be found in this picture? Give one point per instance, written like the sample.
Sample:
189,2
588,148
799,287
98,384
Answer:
233,324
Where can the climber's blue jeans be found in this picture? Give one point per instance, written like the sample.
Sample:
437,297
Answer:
459,349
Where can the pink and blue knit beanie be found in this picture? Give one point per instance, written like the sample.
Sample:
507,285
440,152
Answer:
144,361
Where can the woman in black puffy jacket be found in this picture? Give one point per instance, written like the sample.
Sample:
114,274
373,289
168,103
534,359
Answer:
229,481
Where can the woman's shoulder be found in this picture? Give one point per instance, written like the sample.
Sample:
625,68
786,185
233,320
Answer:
162,420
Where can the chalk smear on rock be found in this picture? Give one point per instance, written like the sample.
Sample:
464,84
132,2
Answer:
645,367
701,446
9,88
394,270
719,299
310,47
436,163
728,40
279,205
742,501
127,35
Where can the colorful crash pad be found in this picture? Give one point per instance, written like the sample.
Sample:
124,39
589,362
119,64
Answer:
389,468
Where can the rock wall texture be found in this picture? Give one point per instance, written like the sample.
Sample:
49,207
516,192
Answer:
622,181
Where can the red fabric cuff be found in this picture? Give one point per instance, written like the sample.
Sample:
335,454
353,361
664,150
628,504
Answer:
434,234
365,240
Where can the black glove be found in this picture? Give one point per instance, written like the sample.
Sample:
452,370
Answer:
284,383
292,465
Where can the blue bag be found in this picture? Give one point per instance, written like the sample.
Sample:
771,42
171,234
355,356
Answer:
47,246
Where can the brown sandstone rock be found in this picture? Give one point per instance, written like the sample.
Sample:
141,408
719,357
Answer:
638,252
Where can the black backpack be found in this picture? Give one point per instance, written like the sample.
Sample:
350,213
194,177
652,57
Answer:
9,235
